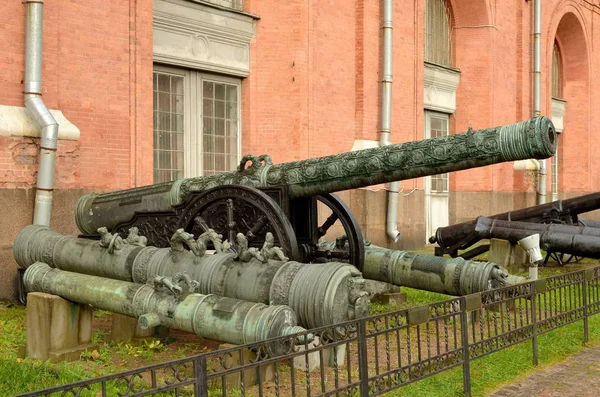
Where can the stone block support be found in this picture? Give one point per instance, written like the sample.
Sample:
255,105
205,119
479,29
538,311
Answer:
126,329
512,257
57,329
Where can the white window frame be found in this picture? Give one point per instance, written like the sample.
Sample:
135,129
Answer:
193,114
428,179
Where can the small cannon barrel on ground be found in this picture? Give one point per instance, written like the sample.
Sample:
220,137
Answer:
455,276
286,205
461,236
169,302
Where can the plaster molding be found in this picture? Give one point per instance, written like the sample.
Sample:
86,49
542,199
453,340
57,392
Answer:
16,121
200,37
440,88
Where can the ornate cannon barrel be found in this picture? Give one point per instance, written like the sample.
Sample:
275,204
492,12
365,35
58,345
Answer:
573,244
169,302
319,295
455,276
534,138
461,235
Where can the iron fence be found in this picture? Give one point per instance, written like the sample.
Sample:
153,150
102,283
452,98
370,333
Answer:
368,356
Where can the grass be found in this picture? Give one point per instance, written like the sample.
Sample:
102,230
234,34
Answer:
19,375
507,366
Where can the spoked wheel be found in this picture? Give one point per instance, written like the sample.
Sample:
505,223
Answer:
559,257
351,247
230,210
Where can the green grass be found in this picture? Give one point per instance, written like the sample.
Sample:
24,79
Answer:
487,374
507,366
18,375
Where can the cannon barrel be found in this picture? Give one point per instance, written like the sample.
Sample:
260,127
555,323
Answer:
461,235
455,276
573,244
539,227
534,138
208,316
319,295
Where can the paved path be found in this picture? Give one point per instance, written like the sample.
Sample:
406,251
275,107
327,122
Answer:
578,376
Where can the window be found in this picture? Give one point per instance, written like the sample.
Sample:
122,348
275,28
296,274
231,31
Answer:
556,72
437,126
438,35
168,127
235,4
196,123
555,175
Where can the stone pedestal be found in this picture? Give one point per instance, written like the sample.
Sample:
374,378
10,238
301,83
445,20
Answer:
57,329
251,376
313,359
125,329
505,254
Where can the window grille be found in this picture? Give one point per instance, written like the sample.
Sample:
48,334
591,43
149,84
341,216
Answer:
168,127
438,35
556,72
554,181
235,4
438,126
196,123
219,126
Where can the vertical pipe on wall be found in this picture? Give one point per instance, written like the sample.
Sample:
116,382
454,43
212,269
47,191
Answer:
386,115
537,84
32,96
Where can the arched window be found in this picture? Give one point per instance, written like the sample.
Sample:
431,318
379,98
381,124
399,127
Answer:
438,35
556,72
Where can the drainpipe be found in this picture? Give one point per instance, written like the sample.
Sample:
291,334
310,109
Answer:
37,108
537,84
386,116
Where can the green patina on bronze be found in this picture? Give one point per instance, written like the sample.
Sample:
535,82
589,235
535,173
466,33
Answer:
534,138
320,295
170,302
454,276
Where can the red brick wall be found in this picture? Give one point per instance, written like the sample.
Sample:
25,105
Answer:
97,69
314,83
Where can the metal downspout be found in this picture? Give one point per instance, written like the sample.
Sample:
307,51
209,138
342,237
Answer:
537,84
386,115
33,101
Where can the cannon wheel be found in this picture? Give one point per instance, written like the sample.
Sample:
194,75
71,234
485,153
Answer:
355,251
234,209
560,257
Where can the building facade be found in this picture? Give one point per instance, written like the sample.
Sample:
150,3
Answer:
149,91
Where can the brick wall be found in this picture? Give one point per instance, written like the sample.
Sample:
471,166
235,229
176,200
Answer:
314,87
97,69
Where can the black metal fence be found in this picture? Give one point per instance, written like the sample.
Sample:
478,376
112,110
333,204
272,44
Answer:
369,356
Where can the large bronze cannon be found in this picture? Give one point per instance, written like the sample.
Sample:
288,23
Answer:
319,295
461,236
282,198
170,302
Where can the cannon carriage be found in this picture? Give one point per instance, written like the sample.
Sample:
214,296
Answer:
285,199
